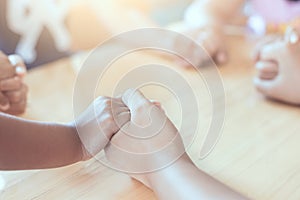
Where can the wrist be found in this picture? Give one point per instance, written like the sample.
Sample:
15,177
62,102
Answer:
80,150
178,166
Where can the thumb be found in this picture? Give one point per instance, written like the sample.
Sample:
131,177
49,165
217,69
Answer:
140,108
134,99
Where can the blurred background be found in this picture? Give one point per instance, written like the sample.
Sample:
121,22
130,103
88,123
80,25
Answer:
43,31
109,14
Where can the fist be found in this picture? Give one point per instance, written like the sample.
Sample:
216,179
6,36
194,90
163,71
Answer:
13,91
98,123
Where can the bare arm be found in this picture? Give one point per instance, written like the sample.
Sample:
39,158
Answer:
183,180
32,145
155,153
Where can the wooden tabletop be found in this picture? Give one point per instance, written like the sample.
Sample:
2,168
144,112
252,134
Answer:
257,154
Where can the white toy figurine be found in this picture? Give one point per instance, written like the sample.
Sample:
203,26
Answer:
28,18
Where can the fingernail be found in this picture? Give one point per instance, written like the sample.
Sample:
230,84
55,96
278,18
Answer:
14,59
20,70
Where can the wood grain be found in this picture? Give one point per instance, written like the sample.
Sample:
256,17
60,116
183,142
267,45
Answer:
257,154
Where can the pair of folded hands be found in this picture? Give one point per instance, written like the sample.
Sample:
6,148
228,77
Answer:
135,133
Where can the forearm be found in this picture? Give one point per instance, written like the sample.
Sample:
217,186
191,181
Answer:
183,180
32,145
212,12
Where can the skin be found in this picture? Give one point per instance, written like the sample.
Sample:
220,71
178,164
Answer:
194,184
42,145
276,59
157,172
99,122
207,30
277,64
51,145
13,91
33,145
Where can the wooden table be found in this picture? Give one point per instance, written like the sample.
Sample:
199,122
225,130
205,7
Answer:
257,155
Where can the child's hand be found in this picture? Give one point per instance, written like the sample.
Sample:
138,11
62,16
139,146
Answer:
13,92
278,66
204,23
211,39
17,99
148,142
99,122
269,39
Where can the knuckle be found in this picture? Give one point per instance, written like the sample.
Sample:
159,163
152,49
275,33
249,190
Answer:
6,71
11,84
107,102
18,81
4,85
19,108
16,97
102,100
107,120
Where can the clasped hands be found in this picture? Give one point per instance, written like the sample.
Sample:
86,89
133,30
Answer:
135,133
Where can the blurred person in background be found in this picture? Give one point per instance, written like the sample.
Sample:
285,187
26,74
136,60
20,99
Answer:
276,56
